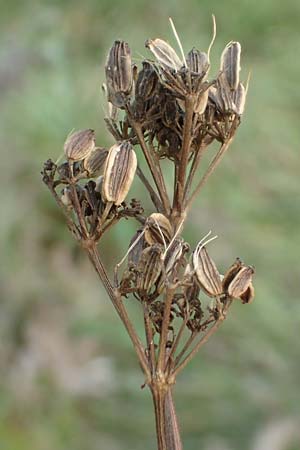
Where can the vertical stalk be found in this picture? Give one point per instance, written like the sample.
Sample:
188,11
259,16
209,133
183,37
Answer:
167,429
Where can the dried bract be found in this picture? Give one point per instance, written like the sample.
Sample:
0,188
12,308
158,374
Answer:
207,272
165,54
119,172
79,145
118,71
230,63
239,98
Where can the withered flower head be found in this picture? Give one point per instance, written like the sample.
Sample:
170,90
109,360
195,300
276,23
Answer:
119,171
158,229
118,71
79,145
206,272
94,162
165,54
230,64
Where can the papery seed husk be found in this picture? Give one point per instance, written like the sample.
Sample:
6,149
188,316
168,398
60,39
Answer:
174,255
118,71
241,282
149,267
119,172
230,63
65,197
79,145
248,295
157,225
164,53
197,62
239,98
207,273
231,273
95,161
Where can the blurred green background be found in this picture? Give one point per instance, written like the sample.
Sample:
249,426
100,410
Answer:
68,376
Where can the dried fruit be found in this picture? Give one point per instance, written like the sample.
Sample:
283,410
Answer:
149,267
118,71
158,229
164,53
95,161
79,145
119,172
198,62
240,282
230,64
207,272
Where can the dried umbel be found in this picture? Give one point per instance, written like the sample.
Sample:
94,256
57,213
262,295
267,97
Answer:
79,145
119,172
166,108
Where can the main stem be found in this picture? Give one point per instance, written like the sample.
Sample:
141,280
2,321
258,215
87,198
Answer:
167,430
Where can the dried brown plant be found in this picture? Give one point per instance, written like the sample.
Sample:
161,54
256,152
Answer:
166,109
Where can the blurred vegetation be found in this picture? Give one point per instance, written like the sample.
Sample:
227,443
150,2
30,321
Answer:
68,376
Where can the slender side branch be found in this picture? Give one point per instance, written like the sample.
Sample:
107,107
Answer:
154,197
119,306
197,347
156,174
165,328
184,155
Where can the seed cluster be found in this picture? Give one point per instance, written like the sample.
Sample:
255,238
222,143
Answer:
164,109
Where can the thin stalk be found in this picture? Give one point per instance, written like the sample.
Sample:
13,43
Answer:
149,338
119,307
184,155
176,342
154,197
164,330
197,347
195,164
154,167
167,429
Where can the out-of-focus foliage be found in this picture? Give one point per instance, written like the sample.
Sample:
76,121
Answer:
69,379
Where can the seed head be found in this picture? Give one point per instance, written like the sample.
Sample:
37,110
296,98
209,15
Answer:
241,282
230,63
158,229
149,267
95,161
165,54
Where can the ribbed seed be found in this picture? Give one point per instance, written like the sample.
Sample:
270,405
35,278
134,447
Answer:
95,161
119,172
146,82
79,145
164,53
158,229
207,273
230,63
241,282
197,62
149,267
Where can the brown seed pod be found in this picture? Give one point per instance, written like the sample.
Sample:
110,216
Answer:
95,161
138,244
79,145
165,54
149,267
118,71
207,273
240,282
119,171
201,102
230,64
158,229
